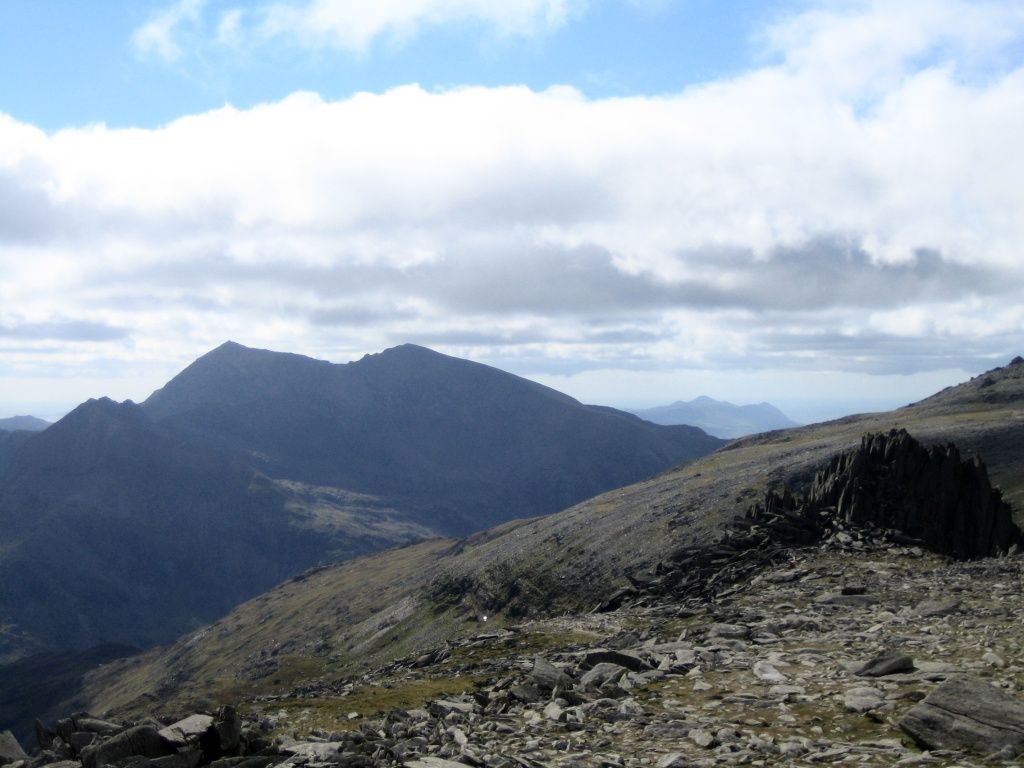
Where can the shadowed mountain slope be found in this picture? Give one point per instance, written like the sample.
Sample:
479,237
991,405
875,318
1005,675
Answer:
463,444
719,418
114,529
132,524
366,612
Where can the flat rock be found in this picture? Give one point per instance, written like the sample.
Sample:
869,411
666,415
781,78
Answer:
729,631
631,661
936,608
863,699
967,713
141,741
766,672
187,730
851,601
886,664
433,762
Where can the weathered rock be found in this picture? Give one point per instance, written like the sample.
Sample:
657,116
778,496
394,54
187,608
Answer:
546,676
95,725
429,761
863,699
854,601
630,661
766,672
887,664
967,713
602,674
10,749
142,740
81,739
729,631
936,608
189,730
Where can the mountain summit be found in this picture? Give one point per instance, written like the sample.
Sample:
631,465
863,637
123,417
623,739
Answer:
465,444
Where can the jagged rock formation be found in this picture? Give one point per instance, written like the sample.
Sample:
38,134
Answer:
891,488
894,483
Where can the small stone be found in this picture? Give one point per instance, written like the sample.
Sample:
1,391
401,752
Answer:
729,631
863,699
702,738
766,672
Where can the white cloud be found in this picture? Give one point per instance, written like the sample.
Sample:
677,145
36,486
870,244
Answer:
160,35
791,216
348,25
354,25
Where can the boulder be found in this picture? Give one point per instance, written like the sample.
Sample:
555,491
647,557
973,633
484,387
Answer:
546,676
967,713
886,664
189,730
142,741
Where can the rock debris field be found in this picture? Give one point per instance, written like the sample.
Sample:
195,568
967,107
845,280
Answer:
883,655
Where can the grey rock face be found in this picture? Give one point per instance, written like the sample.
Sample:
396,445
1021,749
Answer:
10,749
966,712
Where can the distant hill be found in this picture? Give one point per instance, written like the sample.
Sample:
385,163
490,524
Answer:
126,523
26,423
719,418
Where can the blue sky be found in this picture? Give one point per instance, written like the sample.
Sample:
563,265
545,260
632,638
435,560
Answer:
635,201
66,63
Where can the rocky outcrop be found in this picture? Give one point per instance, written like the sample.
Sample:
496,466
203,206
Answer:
892,483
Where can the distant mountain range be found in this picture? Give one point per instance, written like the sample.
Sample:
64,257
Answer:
719,418
26,423
126,523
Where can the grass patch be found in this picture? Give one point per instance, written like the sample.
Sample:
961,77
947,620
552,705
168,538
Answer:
301,716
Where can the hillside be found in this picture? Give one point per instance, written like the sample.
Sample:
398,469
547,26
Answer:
720,418
131,524
341,620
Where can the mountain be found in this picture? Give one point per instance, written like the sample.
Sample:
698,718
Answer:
26,423
338,622
719,418
130,524
463,444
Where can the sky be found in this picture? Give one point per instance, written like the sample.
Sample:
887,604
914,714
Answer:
819,204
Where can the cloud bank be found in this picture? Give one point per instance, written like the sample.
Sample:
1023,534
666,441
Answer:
855,204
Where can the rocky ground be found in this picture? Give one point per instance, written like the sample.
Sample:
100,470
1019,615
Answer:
770,670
